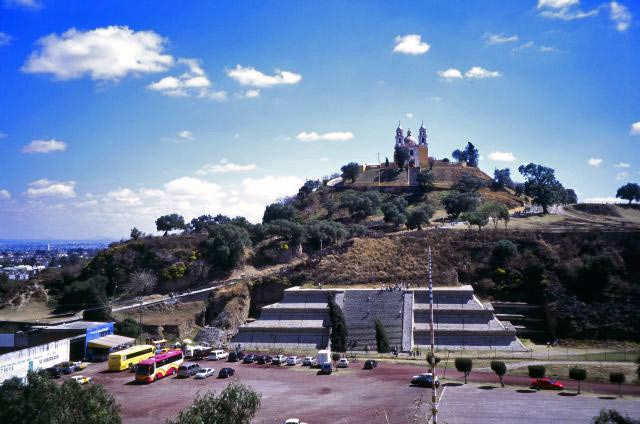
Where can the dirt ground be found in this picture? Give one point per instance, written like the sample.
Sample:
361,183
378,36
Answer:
349,396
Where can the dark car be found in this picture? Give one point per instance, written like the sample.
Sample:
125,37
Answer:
235,356
226,373
326,368
250,358
424,380
67,367
264,359
370,364
54,372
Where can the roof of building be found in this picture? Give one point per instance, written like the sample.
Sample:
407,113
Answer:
110,341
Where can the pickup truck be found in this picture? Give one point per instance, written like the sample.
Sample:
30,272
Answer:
279,360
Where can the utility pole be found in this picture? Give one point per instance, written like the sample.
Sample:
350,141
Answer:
434,405
379,169
141,301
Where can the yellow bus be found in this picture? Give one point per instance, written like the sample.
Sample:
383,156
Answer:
126,359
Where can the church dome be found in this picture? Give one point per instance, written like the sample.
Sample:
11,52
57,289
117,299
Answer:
409,140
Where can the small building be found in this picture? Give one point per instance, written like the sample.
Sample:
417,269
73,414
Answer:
98,350
19,362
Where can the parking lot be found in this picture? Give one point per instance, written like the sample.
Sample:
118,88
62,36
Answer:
352,396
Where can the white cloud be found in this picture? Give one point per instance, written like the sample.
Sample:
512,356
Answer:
602,199
186,135
548,49
620,15
622,165
46,188
557,4
5,39
410,44
409,115
45,146
224,167
450,74
24,4
252,77
635,128
4,194
491,39
193,82
566,10
524,46
249,94
108,53
502,156
328,136
622,176
594,161
477,72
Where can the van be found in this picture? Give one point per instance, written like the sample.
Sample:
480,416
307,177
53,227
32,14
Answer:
188,369
217,355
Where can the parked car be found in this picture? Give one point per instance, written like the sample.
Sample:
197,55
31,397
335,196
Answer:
217,355
343,363
188,369
54,372
310,361
546,384
293,421
235,356
424,380
264,359
370,364
293,360
80,379
67,367
226,373
79,365
250,358
205,373
326,368
279,360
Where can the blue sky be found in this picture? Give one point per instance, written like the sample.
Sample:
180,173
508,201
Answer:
113,113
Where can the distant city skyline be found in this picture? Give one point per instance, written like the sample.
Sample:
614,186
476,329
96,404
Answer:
116,113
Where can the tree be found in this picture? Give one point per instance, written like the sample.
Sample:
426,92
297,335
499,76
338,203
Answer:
335,357
478,217
225,246
289,230
505,249
136,234
541,184
382,341
611,416
630,192
425,182
351,171
500,369
278,211
469,155
128,328
457,203
339,333
537,371
42,401
308,187
502,178
141,282
459,155
324,233
394,211
638,370
419,217
496,211
464,365
618,378
170,222
401,156
386,162
470,183
360,205
572,197
518,188
201,224
578,374
237,404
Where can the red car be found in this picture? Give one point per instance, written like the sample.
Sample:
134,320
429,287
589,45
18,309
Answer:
546,384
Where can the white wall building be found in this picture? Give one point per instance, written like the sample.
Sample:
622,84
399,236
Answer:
20,362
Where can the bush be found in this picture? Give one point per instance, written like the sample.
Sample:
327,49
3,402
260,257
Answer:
128,328
329,232
382,341
464,365
611,416
537,371
505,249
278,211
619,379
225,246
578,374
457,203
500,369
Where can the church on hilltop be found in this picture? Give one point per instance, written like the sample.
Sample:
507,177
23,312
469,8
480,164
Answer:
418,149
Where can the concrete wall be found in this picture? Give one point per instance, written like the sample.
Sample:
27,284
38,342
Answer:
20,362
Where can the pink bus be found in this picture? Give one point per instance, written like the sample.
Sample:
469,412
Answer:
159,366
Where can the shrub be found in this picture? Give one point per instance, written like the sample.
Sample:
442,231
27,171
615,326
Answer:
537,371
505,249
382,341
225,246
619,379
128,328
464,365
611,416
578,374
335,357
500,369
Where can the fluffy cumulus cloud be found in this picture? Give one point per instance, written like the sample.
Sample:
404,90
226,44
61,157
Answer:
410,44
566,10
450,74
249,94
105,54
635,128
620,16
5,39
4,194
622,165
491,39
185,135
225,167
502,157
23,4
193,82
250,76
47,188
45,146
478,72
328,136
594,161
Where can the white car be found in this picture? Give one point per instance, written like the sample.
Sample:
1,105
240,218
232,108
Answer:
80,379
343,363
293,360
217,355
293,421
310,361
205,372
